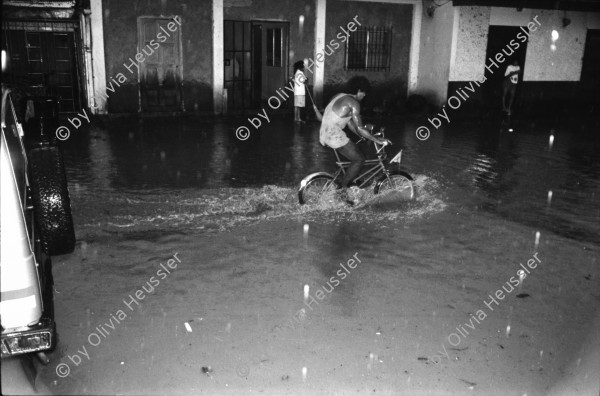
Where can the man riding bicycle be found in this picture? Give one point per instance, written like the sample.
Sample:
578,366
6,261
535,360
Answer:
344,110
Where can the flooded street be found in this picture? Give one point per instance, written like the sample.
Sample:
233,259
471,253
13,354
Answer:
237,310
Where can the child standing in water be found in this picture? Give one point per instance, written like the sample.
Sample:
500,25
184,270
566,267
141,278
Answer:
299,90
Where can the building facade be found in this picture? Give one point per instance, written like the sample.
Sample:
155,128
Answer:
226,56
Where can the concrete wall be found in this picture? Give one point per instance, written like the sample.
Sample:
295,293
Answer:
452,46
434,54
552,69
469,43
389,89
544,62
120,42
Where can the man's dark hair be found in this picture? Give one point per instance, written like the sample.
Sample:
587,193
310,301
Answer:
298,66
357,83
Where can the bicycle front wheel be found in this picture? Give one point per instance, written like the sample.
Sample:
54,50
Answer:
396,181
313,187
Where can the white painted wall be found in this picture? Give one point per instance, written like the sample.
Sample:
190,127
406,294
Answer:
563,61
321,13
98,64
510,16
544,62
217,56
415,47
469,43
434,54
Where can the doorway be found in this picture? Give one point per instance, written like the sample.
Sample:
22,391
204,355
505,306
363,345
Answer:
590,80
272,57
160,73
255,61
43,60
499,38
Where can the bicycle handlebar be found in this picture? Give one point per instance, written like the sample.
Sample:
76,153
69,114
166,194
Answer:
386,142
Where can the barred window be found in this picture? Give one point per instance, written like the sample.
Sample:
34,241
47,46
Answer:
369,49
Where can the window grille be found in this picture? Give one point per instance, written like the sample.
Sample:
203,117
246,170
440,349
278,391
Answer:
369,49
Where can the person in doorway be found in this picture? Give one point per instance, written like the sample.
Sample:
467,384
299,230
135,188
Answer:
344,110
299,91
511,79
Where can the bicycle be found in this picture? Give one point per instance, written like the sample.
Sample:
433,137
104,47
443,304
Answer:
383,174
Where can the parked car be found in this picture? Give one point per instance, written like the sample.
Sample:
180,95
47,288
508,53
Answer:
36,223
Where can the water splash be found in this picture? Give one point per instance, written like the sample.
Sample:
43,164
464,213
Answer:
216,210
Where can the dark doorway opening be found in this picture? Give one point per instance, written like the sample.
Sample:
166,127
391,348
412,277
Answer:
499,40
43,60
590,80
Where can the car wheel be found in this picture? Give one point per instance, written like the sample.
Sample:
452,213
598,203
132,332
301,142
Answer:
51,203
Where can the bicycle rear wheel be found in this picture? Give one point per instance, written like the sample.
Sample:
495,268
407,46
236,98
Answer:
396,181
312,188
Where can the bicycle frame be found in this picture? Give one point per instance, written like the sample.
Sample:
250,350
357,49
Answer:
375,166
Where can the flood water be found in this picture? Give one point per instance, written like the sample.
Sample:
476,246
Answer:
486,199
519,176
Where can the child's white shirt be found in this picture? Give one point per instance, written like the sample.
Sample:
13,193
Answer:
299,79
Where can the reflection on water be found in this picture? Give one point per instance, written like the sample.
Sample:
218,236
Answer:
101,160
484,172
478,166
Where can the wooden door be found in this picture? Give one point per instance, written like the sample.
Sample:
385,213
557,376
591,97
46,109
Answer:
274,55
160,74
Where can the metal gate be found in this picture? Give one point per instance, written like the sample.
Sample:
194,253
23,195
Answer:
237,63
43,60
